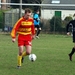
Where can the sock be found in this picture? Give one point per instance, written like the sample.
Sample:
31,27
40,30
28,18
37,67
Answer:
72,52
35,31
38,32
24,54
19,60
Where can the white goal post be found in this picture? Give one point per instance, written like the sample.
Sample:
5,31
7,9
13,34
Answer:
38,4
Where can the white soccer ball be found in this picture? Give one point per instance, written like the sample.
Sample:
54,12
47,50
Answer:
32,57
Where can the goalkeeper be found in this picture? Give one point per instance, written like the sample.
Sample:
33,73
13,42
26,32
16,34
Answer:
37,23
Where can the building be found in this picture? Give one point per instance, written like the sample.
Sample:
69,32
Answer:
48,12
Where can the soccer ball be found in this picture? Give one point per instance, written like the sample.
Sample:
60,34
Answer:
32,57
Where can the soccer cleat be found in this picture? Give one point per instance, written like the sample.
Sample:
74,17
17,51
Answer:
22,59
70,57
18,67
37,37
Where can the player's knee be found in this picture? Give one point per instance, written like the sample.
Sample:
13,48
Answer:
20,53
74,47
35,28
40,29
28,53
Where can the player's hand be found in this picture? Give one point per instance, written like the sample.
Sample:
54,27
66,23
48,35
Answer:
33,36
13,40
68,33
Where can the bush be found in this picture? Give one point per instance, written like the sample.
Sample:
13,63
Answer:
45,25
1,19
66,20
55,24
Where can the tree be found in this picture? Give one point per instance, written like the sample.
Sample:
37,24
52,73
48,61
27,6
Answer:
25,1
3,6
14,1
55,24
66,21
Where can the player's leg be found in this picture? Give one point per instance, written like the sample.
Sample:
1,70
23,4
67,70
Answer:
39,29
71,53
23,55
73,49
20,55
36,30
27,52
28,49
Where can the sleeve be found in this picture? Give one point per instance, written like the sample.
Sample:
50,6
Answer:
68,25
32,28
36,17
15,28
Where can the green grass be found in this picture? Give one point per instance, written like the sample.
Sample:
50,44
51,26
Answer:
52,56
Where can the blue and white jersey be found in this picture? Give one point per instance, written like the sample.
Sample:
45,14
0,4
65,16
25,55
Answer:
36,19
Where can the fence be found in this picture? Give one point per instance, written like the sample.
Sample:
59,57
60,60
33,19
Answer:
9,18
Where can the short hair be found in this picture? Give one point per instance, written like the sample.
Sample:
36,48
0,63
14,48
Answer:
28,10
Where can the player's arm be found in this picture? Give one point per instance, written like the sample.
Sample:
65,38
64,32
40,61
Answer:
33,31
67,28
14,30
36,17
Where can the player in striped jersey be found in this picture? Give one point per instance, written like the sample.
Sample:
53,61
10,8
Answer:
26,32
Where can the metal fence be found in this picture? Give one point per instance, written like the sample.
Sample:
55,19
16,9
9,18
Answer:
10,18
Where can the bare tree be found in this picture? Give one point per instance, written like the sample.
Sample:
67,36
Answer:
3,6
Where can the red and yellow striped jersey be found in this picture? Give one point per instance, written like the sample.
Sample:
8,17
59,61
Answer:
24,27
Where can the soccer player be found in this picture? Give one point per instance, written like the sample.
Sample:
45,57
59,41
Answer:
71,24
37,23
26,32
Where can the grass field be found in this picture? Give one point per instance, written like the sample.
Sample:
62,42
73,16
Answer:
52,56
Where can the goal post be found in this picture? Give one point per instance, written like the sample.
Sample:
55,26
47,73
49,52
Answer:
27,4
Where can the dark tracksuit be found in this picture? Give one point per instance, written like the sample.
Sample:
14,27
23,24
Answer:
71,24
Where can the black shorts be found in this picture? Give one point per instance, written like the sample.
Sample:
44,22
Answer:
74,37
37,26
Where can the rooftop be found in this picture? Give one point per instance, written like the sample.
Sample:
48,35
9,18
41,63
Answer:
67,4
